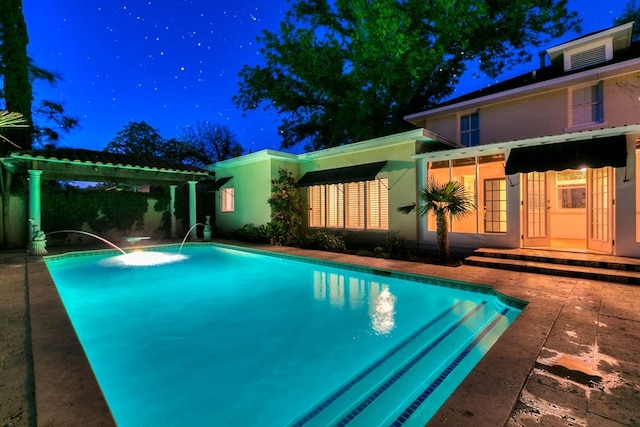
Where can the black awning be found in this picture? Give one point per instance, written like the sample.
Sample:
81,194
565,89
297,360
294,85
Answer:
221,181
365,172
213,186
587,153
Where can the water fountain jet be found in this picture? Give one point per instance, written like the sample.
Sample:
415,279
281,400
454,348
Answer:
187,235
102,239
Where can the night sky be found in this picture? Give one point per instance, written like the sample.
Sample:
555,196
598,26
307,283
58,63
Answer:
172,63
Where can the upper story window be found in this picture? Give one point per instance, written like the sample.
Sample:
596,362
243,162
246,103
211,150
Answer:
228,199
470,129
587,105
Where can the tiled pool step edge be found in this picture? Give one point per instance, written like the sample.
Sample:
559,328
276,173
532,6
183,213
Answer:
584,266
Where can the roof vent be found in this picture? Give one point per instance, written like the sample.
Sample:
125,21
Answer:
589,57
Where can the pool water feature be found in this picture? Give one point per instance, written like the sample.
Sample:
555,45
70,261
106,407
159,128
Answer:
236,337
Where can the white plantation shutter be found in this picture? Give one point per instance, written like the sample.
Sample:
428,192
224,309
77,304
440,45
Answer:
355,204
228,199
378,204
317,205
335,205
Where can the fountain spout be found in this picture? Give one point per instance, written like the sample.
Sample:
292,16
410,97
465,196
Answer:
95,236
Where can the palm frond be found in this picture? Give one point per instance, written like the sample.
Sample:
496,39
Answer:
407,209
11,119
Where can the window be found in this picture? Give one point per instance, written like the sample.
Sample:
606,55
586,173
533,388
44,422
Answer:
378,205
470,129
572,189
483,178
495,205
228,199
586,105
355,205
317,202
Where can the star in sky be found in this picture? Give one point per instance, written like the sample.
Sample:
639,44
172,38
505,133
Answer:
173,63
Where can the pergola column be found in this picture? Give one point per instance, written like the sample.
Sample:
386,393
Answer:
34,199
172,210
192,209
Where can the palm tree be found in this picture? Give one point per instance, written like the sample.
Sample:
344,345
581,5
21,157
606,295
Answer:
446,200
11,120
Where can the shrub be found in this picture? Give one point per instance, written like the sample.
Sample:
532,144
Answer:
323,240
286,208
392,246
249,233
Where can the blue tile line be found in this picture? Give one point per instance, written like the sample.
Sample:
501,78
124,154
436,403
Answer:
432,387
310,415
369,400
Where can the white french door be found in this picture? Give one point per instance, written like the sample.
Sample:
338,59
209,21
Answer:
536,210
600,209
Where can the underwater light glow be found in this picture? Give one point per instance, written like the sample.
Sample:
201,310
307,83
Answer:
142,259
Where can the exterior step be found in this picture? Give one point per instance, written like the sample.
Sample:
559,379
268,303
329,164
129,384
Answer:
555,267
563,258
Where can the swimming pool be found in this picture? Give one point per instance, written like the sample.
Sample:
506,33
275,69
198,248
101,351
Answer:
237,337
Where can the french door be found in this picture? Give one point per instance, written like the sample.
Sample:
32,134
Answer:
600,209
536,210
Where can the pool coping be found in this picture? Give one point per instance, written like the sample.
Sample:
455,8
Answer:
67,393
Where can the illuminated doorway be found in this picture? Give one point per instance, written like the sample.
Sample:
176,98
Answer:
568,210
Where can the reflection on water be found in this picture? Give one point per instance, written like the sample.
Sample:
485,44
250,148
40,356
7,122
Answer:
358,294
382,316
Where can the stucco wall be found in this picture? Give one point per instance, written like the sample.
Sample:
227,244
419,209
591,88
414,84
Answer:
626,241
399,170
545,113
252,187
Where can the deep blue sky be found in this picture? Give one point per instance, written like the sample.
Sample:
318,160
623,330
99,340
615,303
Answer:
172,63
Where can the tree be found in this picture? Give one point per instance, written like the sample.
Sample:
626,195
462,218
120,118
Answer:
348,70
140,139
444,200
631,13
210,143
15,70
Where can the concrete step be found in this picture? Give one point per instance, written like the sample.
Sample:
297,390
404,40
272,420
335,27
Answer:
563,258
555,269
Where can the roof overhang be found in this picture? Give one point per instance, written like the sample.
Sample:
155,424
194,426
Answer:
96,166
620,36
363,172
506,147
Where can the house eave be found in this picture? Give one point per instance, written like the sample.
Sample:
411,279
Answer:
505,146
607,71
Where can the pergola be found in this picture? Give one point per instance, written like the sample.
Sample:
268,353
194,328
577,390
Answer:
97,166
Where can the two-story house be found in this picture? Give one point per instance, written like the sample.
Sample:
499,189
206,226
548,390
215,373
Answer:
550,156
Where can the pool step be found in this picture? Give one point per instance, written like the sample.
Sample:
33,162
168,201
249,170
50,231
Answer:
381,390
566,264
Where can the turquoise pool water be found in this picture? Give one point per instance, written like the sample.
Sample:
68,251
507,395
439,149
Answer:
232,338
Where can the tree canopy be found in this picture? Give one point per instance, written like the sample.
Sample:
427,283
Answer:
17,72
211,143
200,145
630,13
348,70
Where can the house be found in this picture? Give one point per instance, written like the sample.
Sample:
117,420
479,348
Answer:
549,157
352,189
